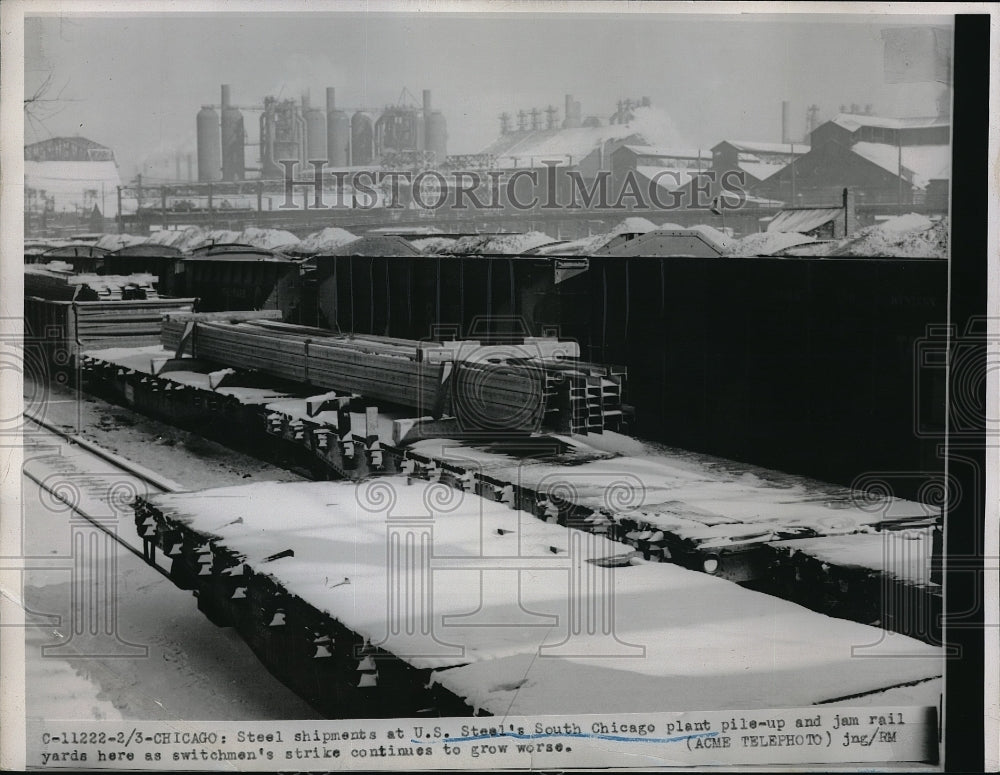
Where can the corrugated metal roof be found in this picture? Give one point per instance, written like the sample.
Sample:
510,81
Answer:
802,221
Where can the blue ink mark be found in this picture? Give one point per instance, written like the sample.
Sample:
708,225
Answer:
586,735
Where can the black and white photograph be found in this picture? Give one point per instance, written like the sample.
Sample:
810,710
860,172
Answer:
532,386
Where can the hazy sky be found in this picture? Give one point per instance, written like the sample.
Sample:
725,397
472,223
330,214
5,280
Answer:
135,83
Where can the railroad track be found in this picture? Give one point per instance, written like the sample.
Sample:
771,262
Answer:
94,483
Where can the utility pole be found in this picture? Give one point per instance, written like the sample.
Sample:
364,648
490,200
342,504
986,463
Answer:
792,164
899,171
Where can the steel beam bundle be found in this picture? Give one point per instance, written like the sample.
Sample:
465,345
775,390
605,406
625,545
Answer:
488,386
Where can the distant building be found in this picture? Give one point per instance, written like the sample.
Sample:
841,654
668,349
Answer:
741,165
70,175
586,148
884,160
670,168
755,161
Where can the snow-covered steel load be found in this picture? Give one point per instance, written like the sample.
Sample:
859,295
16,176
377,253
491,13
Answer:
487,386
322,575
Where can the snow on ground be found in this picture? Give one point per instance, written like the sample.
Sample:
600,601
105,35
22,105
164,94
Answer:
683,640
192,670
330,238
907,236
766,243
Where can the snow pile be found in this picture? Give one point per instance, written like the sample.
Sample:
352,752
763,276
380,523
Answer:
182,239
505,244
766,243
272,239
214,237
330,238
434,245
908,222
671,226
595,242
907,236
116,241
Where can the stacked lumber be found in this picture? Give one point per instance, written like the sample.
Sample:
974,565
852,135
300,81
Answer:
60,283
488,385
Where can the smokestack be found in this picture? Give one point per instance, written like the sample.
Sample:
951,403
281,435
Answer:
225,95
786,136
305,102
427,120
572,119
331,99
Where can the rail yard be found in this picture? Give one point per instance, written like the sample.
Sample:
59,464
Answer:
456,505
546,423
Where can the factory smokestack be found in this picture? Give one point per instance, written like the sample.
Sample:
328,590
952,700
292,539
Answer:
427,120
786,135
338,131
225,95
572,113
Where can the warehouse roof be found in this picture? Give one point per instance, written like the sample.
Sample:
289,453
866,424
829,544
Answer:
662,151
853,121
668,178
921,163
752,146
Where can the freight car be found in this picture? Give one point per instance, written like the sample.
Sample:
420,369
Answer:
56,332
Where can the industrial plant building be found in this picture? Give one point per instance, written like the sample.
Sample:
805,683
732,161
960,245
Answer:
885,160
69,174
291,129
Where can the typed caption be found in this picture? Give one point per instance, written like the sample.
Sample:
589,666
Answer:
816,735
